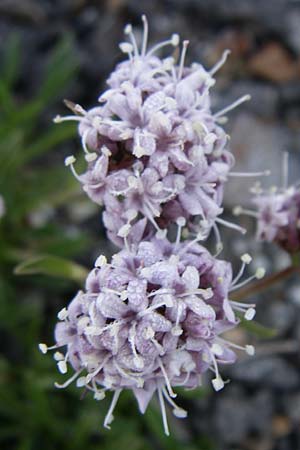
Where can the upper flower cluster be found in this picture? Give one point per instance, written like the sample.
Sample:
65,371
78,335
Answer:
153,146
151,320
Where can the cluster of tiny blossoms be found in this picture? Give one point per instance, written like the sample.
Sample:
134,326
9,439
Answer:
152,318
277,213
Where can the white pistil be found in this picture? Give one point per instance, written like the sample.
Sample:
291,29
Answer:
182,58
163,412
220,63
165,375
233,105
69,381
109,416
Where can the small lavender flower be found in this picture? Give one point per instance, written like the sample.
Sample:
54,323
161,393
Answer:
153,145
149,321
278,213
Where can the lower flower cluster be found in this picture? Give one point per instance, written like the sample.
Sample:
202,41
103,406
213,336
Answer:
149,321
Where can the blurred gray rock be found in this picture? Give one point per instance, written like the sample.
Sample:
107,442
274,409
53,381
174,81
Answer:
268,371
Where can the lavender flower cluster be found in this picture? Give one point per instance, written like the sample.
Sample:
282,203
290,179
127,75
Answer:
152,318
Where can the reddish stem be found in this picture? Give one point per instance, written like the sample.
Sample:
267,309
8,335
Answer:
267,282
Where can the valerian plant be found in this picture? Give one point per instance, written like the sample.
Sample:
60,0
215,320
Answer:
157,159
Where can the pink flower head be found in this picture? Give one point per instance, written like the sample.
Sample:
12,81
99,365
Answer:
152,144
149,321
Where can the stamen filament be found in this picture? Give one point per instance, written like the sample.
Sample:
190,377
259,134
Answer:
220,63
233,105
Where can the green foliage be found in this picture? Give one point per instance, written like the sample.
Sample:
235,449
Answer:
52,266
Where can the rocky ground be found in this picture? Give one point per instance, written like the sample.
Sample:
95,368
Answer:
260,408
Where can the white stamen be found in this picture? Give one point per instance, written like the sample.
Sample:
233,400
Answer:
217,383
145,35
250,350
80,382
124,230
163,412
220,63
285,170
217,349
90,157
260,273
246,258
264,173
128,31
250,314
168,384
70,160
126,47
174,41
60,119
99,395
63,314
69,381
182,58
101,261
231,225
43,348
233,105
109,416
178,412
58,356
238,210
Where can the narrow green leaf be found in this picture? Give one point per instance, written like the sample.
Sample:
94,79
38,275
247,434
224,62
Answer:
53,266
11,59
256,328
296,260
